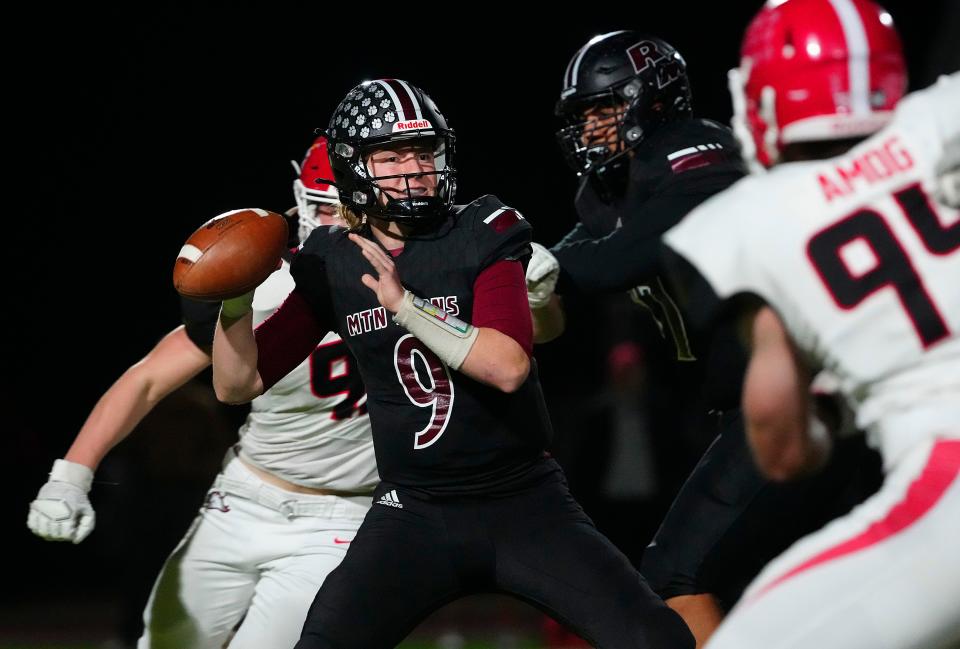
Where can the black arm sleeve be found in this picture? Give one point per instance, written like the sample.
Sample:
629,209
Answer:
200,321
578,233
309,271
629,255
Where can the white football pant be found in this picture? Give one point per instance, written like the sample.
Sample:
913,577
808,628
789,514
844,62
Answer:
256,551
885,576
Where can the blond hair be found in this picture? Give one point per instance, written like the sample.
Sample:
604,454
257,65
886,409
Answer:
353,220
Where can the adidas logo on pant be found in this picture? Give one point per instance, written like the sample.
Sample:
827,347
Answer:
390,499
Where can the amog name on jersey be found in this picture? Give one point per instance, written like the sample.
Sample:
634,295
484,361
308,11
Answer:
369,320
871,166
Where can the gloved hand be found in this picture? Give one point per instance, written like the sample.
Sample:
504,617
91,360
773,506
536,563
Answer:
542,274
62,511
948,175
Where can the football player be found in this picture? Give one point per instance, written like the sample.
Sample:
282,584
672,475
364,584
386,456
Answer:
292,493
431,299
845,264
644,162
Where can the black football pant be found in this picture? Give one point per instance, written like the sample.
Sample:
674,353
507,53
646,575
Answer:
536,544
728,522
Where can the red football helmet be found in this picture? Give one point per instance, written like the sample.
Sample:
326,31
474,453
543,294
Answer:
309,189
815,70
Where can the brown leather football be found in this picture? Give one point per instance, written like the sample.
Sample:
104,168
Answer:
230,254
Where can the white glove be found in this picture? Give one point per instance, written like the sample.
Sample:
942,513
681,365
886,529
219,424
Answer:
62,511
542,274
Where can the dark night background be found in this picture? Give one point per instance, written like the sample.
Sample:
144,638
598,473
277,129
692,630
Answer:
126,128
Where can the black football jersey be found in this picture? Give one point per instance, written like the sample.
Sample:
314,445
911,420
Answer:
678,167
617,244
434,429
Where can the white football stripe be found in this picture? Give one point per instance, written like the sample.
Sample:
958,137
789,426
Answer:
190,252
495,215
574,66
260,212
858,55
401,115
682,152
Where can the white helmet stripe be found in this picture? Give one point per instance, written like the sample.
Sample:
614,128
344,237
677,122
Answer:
570,77
401,117
858,54
574,68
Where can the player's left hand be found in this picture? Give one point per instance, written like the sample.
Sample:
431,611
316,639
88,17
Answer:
543,271
387,286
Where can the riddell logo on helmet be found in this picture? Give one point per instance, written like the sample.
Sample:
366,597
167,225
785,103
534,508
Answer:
415,124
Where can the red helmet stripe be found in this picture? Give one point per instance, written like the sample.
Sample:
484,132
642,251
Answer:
405,100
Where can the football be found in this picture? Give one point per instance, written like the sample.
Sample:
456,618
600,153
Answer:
230,254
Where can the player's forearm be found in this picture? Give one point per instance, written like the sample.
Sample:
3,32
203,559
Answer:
116,414
776,404
548,321
174,361
611,264
786,453
497,360
235,376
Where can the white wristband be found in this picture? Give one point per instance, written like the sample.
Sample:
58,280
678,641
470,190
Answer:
76,474
447,336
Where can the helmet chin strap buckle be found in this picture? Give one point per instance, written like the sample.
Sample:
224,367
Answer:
634,134
359,198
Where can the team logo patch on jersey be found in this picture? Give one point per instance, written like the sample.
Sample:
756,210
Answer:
369,320
217,500
503,219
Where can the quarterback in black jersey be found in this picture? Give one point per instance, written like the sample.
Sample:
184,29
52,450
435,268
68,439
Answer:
644,162
431,299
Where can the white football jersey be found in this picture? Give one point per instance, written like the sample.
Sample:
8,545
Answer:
312,427
860,262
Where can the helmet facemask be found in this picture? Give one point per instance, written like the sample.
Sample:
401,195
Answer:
415,194
586,143
313,187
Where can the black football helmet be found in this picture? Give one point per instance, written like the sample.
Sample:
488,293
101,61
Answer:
643,73
382,112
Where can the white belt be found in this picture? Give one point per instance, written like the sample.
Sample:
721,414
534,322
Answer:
291,504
